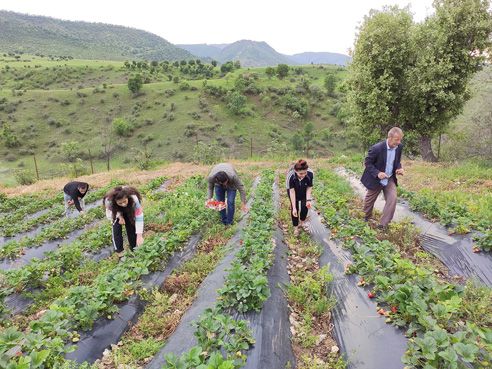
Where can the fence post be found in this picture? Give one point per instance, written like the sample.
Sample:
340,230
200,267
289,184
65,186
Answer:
90,159
251,148
36,166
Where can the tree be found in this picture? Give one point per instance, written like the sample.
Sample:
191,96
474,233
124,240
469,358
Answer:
8,134
236,102
330,84
415,75
282,70
308,136
269,72
227,67
450,47
377,80
214,63
71,155
135,83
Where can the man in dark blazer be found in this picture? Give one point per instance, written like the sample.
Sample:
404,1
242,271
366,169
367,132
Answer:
383,163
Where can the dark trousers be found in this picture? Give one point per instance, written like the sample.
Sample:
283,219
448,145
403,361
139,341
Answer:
301,211
226,215
118,234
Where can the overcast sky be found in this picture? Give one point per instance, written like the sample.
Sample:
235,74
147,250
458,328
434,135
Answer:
289,26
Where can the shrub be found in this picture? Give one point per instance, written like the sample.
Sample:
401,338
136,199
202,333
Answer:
122,127
236,103
24,177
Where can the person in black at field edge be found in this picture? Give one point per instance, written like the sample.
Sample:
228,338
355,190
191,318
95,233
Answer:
299,183
73,194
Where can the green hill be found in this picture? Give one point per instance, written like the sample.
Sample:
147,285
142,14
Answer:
21,33
58,110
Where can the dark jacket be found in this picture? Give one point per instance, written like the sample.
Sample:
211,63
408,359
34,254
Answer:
72,190
375,162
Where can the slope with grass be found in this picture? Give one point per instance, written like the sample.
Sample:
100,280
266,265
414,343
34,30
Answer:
49,36
167,120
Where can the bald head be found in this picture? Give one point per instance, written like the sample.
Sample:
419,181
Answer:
395,136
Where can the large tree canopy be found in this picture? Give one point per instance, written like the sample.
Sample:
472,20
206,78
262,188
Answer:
415,75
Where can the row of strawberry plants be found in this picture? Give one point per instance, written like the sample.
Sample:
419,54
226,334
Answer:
310,306
451,214
82,305
38,202
166,305
56,211
30,204
245,289
246,285
442,332
56,230
62,227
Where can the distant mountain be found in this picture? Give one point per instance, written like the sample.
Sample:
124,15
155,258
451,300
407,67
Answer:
50,36
320,58
253,54
249,53
203,50
256,54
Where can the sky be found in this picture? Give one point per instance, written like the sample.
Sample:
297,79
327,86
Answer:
289,26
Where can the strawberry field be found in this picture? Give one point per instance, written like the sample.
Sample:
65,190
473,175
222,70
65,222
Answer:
197,294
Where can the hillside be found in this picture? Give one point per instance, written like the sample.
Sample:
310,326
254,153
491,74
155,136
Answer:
320,58
48,107
30,34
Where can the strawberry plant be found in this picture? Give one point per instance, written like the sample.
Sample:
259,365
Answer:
484,242
245,289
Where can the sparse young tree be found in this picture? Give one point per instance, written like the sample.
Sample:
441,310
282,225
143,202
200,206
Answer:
270,72
9,136
135,83
308,136
330,84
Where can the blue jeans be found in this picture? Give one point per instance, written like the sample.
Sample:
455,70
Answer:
227,215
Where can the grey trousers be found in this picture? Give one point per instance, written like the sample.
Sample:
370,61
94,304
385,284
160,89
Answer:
389,192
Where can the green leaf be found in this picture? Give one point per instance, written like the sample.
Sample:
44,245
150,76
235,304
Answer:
450,356
38,358
466,351
428,346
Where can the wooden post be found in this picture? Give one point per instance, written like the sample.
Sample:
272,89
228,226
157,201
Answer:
251,148
439,147
90,159
107,164
36,166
